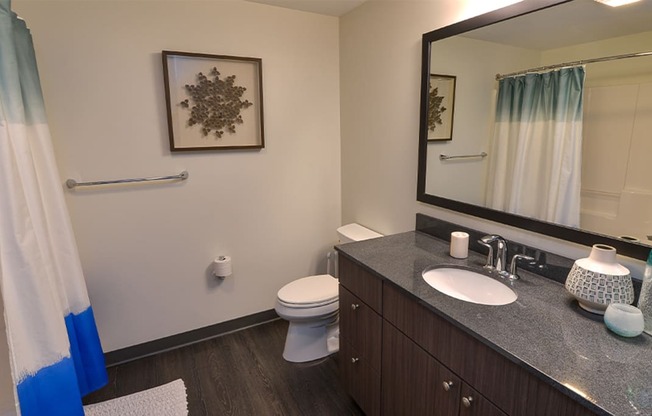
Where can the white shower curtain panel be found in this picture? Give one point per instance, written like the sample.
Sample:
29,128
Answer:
535,156
55,352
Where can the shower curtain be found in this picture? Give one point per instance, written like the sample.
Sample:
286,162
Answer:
535,156
54,347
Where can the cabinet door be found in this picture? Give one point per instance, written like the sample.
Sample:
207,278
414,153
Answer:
360,381
473,403
360,343
414,383
361,327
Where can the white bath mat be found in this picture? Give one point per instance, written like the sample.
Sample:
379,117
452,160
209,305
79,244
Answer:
166,400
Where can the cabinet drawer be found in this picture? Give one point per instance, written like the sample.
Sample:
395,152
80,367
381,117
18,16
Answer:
361,327
361,283
360,380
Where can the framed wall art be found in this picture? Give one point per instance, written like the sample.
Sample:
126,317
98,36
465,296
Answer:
441,103
214,102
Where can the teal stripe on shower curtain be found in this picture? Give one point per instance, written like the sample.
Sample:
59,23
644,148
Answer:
549,96
25,104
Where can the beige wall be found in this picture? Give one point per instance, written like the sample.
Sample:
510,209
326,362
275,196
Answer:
380,52
146,249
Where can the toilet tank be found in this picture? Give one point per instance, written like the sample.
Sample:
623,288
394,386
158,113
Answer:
355,232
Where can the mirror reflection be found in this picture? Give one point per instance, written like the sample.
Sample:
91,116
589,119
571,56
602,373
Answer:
566,142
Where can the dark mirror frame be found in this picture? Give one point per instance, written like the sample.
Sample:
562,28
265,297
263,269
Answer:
634,250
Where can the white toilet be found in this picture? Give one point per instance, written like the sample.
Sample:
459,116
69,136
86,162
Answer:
311,305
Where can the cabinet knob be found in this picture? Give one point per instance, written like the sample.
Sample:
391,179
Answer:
354,306
466,401
447,385
354,360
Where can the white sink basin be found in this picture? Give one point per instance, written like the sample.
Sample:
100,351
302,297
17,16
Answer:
469,286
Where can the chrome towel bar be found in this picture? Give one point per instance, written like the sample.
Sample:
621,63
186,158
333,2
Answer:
71,183
446,157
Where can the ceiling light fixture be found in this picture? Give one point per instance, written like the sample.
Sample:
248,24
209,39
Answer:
616,3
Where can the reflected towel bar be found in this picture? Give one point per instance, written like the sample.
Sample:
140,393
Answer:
71,183
446,157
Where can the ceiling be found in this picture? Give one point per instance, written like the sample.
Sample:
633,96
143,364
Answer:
557,27
327,7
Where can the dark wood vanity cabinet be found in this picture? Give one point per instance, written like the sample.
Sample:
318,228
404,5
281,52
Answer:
360,335
423,365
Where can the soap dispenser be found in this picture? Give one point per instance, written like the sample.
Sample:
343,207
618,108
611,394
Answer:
645,299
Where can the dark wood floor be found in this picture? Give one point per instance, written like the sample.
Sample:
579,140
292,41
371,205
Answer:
242,373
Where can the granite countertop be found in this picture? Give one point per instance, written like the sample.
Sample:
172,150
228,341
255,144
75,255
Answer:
544,330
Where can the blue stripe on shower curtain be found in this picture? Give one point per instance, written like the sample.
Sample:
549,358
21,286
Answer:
57,389
51,391
86,351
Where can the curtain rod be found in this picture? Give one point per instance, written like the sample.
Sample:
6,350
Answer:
575,63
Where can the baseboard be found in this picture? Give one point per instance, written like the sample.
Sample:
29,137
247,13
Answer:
186,338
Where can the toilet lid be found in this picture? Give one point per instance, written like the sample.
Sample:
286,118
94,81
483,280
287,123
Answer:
317,290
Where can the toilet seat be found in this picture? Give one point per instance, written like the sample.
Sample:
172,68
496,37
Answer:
309,292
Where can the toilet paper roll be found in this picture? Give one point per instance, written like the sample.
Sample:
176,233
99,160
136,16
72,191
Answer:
222,266
459,244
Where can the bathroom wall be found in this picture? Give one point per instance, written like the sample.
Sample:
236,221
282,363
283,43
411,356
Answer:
381,41
380,52
475,95
146,248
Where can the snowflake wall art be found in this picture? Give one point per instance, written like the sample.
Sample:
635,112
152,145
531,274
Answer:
213,101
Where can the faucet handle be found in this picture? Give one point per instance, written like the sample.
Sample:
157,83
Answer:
487,239
512,268
490,257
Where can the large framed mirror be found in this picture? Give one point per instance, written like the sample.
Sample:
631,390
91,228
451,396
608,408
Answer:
552,120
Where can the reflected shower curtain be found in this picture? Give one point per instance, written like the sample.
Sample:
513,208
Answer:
535,156
54,348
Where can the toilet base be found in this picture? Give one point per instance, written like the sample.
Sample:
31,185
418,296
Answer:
308,341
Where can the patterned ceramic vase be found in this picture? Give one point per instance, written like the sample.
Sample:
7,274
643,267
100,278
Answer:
599,280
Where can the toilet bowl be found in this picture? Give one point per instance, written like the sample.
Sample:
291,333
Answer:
311,304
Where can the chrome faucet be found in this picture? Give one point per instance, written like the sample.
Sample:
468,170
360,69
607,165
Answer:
499,262
512,275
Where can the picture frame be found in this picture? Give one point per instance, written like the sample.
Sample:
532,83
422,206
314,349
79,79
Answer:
214,102
441,106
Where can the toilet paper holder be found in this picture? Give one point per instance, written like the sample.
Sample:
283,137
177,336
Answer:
222,267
